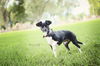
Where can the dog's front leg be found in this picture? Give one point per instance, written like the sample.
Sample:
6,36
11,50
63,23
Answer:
50,46
54,47
54,51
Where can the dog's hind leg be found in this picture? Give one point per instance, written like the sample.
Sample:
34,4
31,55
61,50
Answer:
79,42
66,45
76,44
75,40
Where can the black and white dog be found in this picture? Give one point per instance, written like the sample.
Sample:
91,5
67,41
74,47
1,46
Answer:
55,38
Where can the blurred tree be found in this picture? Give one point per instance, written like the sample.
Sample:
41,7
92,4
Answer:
95,7
3,14
11,11
34,9
16,11
60,7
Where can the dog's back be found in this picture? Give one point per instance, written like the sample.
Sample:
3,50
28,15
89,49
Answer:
62,35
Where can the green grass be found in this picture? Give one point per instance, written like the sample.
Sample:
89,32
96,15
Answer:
28,48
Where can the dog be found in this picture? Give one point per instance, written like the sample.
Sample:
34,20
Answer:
56,38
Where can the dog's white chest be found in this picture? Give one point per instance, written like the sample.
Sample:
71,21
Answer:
51,41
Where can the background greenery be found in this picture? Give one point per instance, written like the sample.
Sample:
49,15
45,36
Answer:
95,7
28,48
21,11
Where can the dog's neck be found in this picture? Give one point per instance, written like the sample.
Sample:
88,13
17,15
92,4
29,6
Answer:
47,33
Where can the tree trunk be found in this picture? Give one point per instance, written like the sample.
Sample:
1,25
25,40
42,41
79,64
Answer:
10,20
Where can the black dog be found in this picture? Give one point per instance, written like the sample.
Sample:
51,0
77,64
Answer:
55,38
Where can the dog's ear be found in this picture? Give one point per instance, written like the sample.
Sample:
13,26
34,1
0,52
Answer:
48,22
39,24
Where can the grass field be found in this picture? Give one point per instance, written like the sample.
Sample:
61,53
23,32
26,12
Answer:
28,48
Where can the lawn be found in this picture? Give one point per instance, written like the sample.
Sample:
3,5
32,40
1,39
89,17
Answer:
28,48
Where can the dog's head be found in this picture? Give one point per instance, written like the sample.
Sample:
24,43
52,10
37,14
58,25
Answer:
44,26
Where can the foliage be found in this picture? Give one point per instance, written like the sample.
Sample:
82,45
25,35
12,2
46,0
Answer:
95,7
53,7
28,48
12,13
60,7
34,8
31,10
3,13
17,11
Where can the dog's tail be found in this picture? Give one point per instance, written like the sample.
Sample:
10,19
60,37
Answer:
79,42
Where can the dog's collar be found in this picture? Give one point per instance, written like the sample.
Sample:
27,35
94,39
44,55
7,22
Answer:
48,33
